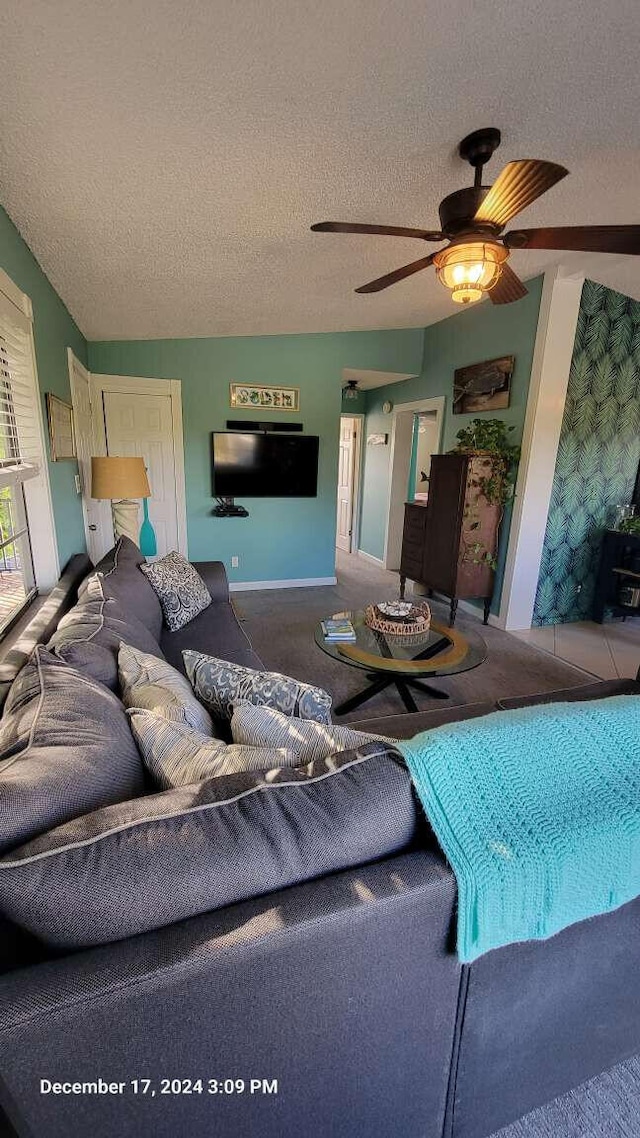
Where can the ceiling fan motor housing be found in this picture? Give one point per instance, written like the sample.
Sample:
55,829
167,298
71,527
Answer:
458,209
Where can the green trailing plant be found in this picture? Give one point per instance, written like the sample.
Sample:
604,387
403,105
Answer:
489,437
630,525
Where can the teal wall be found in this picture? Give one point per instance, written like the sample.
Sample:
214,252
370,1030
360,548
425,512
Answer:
478,333
54,331
598,453
281,539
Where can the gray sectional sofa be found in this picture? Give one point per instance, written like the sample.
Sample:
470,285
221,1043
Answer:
329,1002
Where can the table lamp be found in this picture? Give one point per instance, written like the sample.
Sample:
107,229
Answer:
121,480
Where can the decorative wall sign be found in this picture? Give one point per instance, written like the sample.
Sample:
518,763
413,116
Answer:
265,398
377,440
61,435
483,387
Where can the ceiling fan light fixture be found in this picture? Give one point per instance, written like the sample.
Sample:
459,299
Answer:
469,269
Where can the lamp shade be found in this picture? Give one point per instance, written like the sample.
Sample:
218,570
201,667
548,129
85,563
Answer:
119,477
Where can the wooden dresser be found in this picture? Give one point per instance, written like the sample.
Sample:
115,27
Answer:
444,541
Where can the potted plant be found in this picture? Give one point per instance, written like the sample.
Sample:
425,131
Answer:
494,482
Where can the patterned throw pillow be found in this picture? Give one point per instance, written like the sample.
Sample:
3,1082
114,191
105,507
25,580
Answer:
181,591
220,684
153,685
176,755
266,727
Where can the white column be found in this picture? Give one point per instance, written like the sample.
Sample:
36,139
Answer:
555,336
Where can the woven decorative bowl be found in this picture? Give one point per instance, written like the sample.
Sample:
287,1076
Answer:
415,621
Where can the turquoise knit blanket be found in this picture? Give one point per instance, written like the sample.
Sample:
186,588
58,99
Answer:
538,813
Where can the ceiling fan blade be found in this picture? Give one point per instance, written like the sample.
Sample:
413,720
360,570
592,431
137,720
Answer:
516,187
384,230
579,238
398,275
508,288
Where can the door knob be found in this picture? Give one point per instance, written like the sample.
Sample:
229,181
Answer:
93,528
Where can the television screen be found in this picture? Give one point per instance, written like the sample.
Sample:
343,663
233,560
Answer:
264,465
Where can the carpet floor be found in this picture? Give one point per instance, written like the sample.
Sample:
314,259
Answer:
605,1107
280,626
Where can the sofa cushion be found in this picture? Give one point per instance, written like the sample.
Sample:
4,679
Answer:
265,727
406,725
600,690
181,591
215,632
124,581
124,551
153,685
176,755
156,860
220,684
65,748
99,621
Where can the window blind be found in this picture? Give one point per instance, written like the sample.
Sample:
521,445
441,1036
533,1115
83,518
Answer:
20,446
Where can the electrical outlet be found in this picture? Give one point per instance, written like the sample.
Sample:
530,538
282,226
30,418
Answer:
235,561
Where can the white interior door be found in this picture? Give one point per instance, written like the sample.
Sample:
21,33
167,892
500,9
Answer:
97,515
142,426
346,468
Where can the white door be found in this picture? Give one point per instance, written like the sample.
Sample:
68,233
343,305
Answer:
142,426
346,468
97,515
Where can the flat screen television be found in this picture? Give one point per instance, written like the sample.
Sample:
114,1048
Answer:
263,465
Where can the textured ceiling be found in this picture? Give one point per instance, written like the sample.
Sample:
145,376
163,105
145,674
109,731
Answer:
164,161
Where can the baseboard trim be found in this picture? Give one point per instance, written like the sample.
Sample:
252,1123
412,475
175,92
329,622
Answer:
466,606
292,583
370,557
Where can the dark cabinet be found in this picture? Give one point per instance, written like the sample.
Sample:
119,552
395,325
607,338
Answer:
618,581
449,543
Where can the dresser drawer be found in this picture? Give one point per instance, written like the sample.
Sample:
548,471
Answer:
415,518
411,566
413,546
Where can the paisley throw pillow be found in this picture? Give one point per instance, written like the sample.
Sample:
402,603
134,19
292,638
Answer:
220,685
180,589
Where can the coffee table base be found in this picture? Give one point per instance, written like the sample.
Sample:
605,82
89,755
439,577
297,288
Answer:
403,683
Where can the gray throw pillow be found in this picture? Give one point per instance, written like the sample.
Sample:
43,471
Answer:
180,589
265,727
123,580
157,860
176,755
152,684
220,684
89,636
65,749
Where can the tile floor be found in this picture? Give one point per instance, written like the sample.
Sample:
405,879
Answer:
610,651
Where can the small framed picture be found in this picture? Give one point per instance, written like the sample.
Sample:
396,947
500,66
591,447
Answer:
61,433
265,398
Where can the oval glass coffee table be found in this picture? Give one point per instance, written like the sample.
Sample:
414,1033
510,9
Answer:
402,660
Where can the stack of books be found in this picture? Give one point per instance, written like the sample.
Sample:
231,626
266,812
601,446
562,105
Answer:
338,629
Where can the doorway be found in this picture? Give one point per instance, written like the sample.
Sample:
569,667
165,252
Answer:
348,504
402,458
424,444
97,515
143,418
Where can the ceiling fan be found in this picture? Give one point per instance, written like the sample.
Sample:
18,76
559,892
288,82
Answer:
472,219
